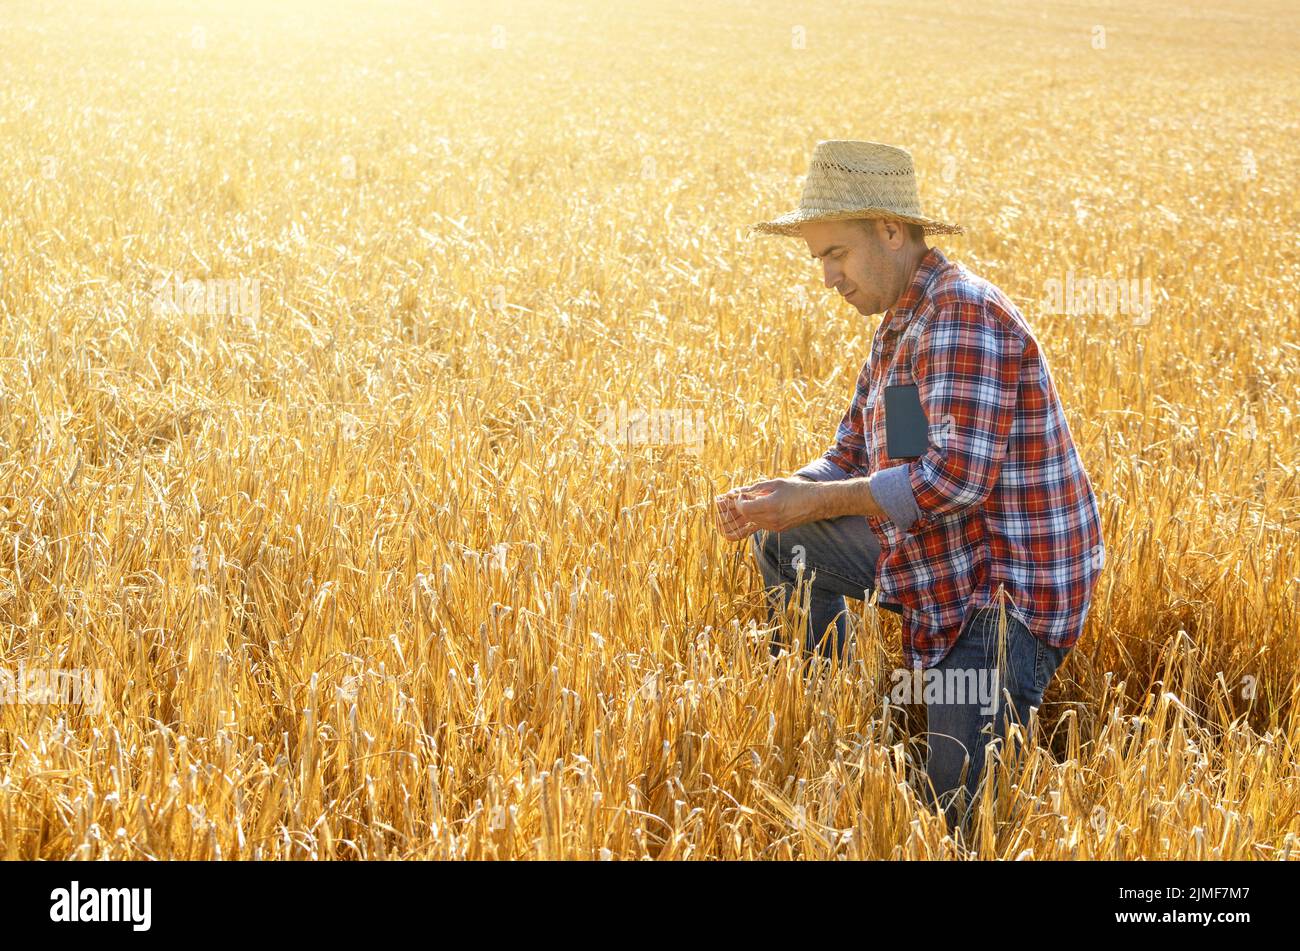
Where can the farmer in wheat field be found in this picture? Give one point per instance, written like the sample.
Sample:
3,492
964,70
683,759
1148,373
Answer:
987,538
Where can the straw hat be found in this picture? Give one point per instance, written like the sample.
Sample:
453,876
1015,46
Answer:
852,179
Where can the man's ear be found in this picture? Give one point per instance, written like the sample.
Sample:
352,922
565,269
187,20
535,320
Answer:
893,233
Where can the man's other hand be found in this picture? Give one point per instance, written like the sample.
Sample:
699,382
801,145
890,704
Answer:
733,525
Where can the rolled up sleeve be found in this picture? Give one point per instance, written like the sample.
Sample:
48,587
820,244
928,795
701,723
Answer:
892,489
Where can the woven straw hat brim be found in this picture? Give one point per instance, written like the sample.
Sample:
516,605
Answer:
849,178
788,224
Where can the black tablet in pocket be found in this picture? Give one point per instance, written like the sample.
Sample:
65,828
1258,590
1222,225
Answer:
907,433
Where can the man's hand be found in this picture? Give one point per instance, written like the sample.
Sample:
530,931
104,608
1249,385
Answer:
779,504
734,526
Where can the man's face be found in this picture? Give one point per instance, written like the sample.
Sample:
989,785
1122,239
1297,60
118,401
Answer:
860,260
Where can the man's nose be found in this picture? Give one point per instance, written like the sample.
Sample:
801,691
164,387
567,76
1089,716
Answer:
830,278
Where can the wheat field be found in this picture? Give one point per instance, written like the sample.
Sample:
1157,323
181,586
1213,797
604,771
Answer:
341,533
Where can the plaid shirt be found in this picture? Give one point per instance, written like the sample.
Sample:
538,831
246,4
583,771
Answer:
1000,499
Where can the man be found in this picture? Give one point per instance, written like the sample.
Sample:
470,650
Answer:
988,542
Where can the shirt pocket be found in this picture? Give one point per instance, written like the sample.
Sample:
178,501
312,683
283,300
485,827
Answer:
898,373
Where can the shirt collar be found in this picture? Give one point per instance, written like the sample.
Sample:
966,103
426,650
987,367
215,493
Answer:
926,271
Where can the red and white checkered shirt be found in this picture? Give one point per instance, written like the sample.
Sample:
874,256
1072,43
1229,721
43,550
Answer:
1003,499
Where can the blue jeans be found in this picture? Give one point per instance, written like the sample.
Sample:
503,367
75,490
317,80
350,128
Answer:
839,559
960,724
838,555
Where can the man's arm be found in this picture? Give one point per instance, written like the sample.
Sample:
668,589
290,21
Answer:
967,369
736,526
848,497
780,504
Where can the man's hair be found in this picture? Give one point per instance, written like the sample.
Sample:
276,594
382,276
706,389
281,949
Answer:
914,231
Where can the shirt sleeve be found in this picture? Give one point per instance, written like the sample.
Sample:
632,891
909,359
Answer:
967,369
892,489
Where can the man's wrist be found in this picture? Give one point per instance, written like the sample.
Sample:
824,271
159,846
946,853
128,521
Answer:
847,497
